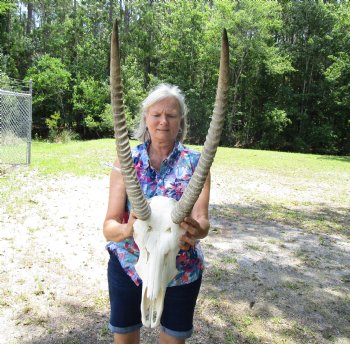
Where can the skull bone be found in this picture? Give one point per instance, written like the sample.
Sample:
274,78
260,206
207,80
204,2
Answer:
158,241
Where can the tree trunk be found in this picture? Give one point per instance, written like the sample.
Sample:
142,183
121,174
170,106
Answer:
126,17
8,22
29,19
110,12
74,8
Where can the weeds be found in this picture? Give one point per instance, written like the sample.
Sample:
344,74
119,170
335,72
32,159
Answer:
105,331
39,287
101,300
229,260
254,247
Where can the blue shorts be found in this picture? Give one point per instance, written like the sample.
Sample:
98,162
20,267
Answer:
125,300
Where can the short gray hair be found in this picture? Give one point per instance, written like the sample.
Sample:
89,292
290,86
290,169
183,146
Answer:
157,94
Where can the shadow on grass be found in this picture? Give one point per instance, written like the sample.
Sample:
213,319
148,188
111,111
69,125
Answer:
267,282
86,325
320,219
335,158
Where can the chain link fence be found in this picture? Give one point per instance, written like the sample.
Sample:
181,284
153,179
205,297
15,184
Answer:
15,121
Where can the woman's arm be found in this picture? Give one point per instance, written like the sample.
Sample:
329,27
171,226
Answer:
113,228
197,225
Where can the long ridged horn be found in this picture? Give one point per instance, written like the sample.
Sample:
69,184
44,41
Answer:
184,207
133,189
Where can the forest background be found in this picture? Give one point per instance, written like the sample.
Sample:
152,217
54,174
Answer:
290,66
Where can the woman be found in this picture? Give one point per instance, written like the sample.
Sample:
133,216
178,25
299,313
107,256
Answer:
164,167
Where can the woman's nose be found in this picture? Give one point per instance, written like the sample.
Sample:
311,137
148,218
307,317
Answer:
163,120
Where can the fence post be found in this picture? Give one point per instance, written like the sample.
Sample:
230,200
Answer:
30,120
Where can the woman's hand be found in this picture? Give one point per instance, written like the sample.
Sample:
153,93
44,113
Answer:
193,233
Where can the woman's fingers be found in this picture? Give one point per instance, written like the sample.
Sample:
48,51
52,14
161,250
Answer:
184,246
186,238
191,221
132,216
191,226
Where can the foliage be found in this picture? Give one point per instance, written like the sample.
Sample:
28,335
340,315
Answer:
4,80
57,132
338,75
273,123
89,103
134,91
63,136
6,5
53,121
50,86
289,87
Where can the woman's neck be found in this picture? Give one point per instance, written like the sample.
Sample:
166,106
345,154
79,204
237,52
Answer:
158,152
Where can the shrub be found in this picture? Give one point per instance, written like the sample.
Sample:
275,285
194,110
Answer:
89,103
63,136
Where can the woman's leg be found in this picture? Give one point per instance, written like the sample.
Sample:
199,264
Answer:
177,317
128,338
165,339
125,300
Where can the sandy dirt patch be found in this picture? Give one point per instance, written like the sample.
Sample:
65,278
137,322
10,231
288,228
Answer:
265,282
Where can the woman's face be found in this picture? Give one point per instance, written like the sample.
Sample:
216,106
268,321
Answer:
163,120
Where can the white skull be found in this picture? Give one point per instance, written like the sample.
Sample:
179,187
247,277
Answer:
158,240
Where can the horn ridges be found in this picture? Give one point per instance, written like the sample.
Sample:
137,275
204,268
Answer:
133,189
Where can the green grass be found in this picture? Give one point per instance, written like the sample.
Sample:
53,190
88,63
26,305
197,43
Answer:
84,157
76,157
290,164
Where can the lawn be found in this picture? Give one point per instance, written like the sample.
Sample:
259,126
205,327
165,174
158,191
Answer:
84,157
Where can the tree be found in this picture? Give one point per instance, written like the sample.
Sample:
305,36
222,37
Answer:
6,5
50,87
89,103
289,64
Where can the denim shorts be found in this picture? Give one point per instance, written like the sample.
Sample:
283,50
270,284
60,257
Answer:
125,300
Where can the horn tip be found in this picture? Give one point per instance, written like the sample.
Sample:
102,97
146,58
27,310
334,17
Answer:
115,30
224,36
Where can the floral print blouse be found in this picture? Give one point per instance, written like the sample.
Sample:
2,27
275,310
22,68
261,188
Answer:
171,181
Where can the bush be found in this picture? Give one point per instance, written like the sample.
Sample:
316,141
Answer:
273,124
63,136
57,132
323,140
50,86
89,103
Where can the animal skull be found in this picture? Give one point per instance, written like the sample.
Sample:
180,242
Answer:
156,230
158,240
